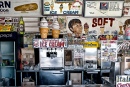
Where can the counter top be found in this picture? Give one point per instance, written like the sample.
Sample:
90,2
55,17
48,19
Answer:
89,85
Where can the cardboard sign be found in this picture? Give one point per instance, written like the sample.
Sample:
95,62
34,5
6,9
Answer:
49,43
50,7
20,8
96,8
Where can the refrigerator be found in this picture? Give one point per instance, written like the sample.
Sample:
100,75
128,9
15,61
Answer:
8,55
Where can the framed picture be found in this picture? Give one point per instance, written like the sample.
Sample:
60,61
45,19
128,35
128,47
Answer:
68,57
62,7
106,8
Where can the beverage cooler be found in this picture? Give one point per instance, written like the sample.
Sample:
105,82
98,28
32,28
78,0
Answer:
8,55
51,61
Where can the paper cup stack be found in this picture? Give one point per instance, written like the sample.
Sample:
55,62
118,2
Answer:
56,29
44,28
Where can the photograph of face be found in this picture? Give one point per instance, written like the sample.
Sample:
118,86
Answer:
75,26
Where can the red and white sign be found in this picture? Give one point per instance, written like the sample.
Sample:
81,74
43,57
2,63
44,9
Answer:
48,43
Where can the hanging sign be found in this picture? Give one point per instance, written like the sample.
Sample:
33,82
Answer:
104,8
49,43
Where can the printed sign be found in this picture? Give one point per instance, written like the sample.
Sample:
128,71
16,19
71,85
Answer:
50,7
48,43
20,8
103,8
91,45
81,25
123,81
4,28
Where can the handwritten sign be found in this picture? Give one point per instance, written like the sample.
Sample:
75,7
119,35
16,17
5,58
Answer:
49,43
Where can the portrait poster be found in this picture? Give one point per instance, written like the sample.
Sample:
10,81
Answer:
81,25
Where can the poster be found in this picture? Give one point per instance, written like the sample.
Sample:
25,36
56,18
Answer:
20,8
81,25
51,7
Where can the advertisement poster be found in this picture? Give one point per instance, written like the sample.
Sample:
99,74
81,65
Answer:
80,25
105,8
20,8
51,7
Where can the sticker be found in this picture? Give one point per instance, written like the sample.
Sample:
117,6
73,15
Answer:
104,5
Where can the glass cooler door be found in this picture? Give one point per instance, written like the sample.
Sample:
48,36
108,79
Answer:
7,62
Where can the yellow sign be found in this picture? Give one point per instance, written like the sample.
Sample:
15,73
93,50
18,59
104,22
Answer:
91,44
4,28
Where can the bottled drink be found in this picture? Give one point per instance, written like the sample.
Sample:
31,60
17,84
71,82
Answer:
21,26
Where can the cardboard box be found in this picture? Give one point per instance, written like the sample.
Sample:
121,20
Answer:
75,78
28,84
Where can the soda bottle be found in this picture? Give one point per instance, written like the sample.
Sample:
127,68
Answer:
21,26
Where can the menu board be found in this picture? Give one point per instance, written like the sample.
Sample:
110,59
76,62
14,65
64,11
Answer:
20,8
95,8
52,7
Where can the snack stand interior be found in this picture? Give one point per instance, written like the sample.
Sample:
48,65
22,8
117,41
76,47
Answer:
65,43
